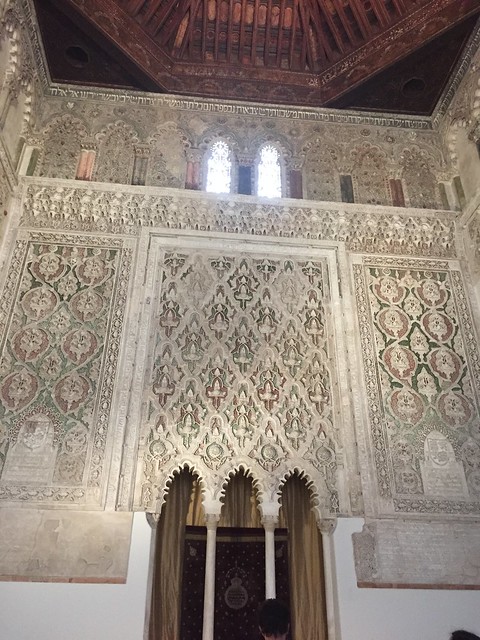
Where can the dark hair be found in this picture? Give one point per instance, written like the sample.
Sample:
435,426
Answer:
273,618
461,634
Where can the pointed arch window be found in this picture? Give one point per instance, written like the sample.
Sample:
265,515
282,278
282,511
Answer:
219,168
269,182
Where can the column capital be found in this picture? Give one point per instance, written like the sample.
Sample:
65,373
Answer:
211,521
269,522
153,519
327,526
194,155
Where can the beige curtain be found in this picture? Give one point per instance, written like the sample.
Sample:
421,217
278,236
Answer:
307,591
240,508
167,577
196,514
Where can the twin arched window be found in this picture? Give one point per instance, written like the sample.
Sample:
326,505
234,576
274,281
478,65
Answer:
268,170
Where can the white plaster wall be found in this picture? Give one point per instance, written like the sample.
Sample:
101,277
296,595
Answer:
44,611
396,614
38,611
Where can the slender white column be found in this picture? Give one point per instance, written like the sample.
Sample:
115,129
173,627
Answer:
327,527
269,523
211,520
153,520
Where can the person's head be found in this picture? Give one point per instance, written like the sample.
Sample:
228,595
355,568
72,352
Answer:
461,634
274,619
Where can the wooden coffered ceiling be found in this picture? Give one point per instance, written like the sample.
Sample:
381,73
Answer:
297,52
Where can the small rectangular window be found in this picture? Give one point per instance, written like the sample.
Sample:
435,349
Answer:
396,189
245,180
346,188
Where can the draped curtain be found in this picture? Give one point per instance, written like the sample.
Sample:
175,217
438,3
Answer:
183,507
168,564
307,593
240,508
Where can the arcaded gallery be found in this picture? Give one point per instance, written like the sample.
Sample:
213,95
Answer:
239,318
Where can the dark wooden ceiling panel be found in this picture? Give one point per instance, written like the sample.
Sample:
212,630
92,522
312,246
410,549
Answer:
300,52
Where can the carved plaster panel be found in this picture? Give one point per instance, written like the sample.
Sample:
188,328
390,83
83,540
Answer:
417,554
242,369
61,323
421,365
473,240
59,546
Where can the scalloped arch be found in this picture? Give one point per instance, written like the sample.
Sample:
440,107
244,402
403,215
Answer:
163,487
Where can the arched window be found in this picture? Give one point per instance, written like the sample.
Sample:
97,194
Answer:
219,168
269,181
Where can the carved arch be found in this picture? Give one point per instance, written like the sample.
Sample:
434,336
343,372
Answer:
167,156
369,176
162,487
321,170
319,499
116,153
61,147
420,174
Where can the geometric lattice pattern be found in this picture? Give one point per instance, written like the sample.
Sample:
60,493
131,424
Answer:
242,346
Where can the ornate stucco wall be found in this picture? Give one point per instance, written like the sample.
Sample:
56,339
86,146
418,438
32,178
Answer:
146,327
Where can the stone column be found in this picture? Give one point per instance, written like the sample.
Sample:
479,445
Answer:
194,160
269,524
142,153
86,163
211,521
153,520
295,179
327,527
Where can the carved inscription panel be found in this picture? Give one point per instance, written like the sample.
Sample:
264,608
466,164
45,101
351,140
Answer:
422,368
61,320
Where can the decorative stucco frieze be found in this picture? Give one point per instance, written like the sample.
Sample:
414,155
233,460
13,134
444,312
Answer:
369,229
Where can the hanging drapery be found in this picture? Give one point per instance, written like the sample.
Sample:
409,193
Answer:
240,507
168,568
307,601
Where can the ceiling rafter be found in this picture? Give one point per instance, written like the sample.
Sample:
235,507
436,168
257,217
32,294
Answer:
230,32
381,12
344,20
188,39
266,52
328,18
173,26
242,31
161,17
280,32
137,6
362,20
324,47
253,50
293,32
307,52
